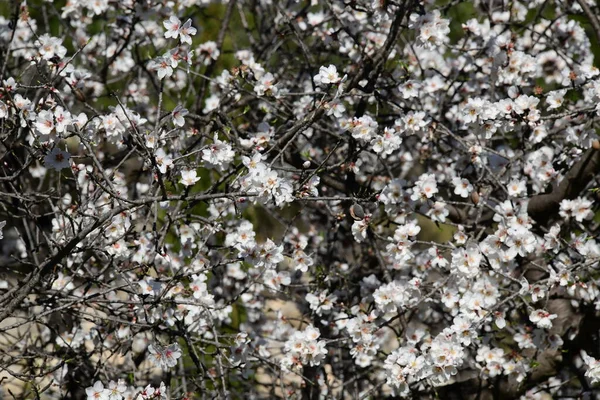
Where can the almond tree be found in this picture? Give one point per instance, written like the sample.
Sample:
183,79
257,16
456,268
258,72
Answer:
316,200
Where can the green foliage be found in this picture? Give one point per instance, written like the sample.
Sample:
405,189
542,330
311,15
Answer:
459,14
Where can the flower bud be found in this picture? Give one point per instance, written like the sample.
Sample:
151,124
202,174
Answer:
356,212
306,164
475,197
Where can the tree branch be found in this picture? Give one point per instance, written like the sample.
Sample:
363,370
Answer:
542,207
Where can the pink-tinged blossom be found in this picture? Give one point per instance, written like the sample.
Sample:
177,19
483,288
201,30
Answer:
387,143
425,187
178,115
555,99
335,108
150,392
412,122
63,282
57,159
578,209
410,89
96,6
492,360
116,390
173,26
327,75
516,188
162,66
266,86
466,260
208,52
360,229
592,367
163,160
462,187
189,177
9,84
303,348
218,154
164,357
473,110
45,122
149,286
542,318
500,319
186,31
363,128
200,289
438,212
50,47
432,29
63,119
97,392
321,303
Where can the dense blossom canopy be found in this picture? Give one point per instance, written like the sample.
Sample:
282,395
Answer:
299,199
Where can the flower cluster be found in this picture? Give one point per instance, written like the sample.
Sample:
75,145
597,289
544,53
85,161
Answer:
304,348
164,357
